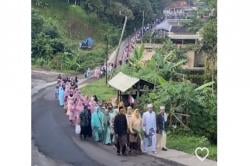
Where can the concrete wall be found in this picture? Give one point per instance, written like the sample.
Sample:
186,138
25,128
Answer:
199,60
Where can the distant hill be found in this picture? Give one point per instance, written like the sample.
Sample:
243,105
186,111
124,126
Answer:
72,25
58,26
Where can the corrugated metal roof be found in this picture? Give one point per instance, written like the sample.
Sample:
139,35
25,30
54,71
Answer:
122,82
184,36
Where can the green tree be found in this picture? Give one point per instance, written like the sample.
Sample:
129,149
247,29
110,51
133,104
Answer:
199,104
204,112
93,5
209,48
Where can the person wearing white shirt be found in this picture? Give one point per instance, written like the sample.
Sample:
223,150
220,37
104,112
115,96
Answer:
149,127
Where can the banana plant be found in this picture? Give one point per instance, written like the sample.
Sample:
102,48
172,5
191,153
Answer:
135,62
204,86
72,63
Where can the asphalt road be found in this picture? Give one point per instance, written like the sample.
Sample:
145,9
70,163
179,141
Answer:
55,138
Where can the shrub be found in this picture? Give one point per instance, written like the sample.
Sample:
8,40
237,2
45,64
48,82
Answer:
58,62
182,97
204,116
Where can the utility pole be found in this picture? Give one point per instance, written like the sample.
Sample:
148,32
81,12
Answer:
107,50
151,38
142,26
119,45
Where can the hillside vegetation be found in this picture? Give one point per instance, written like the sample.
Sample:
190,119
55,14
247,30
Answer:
57,29
58,26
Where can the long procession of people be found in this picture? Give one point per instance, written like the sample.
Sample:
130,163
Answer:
130,130
126,53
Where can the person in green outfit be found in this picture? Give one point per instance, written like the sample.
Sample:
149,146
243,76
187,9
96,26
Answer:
112,114
107,129
97,124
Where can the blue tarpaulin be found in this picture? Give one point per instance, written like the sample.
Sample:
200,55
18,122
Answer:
87,43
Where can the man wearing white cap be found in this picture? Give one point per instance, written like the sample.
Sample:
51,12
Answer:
161,121
149,127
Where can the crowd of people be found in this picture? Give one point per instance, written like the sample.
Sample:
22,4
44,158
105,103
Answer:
99,72
138,36
130,130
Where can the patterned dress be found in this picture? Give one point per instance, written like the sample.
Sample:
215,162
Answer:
70,107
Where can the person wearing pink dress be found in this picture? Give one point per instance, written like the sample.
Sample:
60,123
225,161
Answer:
85,100
78,109
70,107
92,105
74,107
97,73
66,97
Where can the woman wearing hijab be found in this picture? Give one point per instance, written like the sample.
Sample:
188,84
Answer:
107,129
66,94
89,124
92,104
97,124
87,105
135,129
112,114
74,108
70,107
61,95
129,118
79,107
85,119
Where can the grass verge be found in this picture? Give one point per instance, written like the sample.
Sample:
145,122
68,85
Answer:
188,143
100,89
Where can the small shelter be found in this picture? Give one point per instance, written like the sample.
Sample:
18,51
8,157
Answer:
129,86
87,43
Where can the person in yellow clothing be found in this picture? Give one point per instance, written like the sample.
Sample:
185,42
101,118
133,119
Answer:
135,128
129,118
